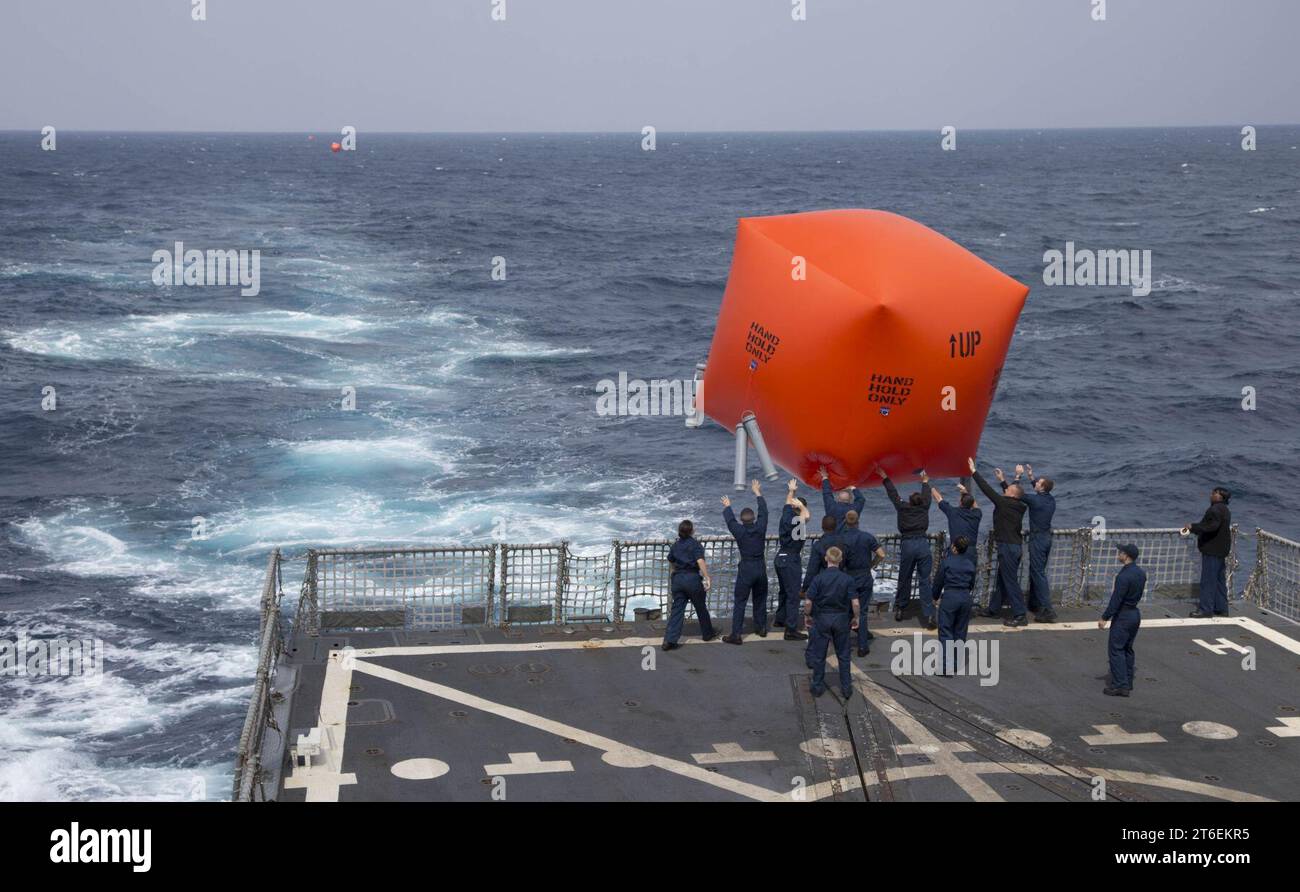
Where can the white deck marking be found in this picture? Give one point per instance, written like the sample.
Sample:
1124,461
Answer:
559,729
917,734
1114,735
420,769
322,783
1025,739
1210,730
1222,646
1245,622
967,774
1290,727
527,763
827,748
913,772
724,753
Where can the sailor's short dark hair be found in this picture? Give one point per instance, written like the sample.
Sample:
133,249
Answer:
961,543
829,524
747,515
685,529
1047,483
802,499
967,500
1224,493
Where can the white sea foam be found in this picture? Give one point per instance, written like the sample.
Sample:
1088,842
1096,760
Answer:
152,340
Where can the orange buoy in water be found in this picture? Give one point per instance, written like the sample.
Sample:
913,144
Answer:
857,339
334,147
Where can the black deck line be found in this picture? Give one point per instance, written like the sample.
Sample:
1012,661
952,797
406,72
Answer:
775,741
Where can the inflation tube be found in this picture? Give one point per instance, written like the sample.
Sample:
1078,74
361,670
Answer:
740,457
750,423
696,418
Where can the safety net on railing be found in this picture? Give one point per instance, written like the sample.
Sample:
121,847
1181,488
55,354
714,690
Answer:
1275,582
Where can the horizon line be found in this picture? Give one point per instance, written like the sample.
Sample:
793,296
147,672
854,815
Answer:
601,132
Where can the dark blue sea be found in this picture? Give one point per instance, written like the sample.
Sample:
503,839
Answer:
475,413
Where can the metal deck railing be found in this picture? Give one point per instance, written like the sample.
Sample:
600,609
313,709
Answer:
1275,582
509,585
248,757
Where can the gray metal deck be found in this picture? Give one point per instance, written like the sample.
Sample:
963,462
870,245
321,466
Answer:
575,713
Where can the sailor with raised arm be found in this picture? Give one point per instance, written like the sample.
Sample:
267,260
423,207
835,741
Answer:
690,582
914,554
1008,510
838,504
789,553
1042,507
963,520
751,573
861,553
1125,618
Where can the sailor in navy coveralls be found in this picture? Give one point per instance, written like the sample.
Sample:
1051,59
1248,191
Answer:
751,574
1123,614
690,582
789,553
832,608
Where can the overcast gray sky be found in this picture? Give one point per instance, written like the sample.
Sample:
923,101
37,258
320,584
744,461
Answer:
558,65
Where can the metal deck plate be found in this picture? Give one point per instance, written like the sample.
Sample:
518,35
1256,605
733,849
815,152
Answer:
553,715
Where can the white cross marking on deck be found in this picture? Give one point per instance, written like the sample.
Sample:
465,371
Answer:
1223,646
1114,735
939,752
733,752
527,763
1290,727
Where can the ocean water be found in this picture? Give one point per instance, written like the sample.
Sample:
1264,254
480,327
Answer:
475,411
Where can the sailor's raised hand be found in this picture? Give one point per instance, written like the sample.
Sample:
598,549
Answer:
726,502
822,470
792,485
971,462
753,485
961,488
997,472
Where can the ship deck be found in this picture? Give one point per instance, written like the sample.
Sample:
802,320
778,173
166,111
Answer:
600,713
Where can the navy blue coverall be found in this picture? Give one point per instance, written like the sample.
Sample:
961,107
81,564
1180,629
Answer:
751,574
859,549
788,566
914,554
816,564
838,509
832,594
1042,506
964,522
687,585
952,595
1125,618
1007,515
1214,539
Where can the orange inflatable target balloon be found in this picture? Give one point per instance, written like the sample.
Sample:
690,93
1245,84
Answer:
857,339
